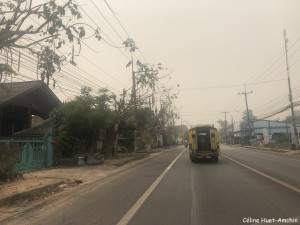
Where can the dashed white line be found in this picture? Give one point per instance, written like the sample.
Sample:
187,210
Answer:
132,211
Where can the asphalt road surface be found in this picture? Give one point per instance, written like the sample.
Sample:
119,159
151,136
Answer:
244,187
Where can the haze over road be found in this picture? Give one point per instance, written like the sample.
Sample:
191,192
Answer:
245,185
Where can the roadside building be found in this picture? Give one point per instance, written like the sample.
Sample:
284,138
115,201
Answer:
20,101
263,130
25,127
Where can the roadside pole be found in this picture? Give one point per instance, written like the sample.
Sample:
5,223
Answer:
248,116
225,126
294,134
135,106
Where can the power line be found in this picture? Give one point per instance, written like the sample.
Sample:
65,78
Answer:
112,45
91,61
113,13
230,85
71,77
262,75
283,109
267,71
107,20
78,68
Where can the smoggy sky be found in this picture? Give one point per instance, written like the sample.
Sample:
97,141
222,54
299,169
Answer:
210,47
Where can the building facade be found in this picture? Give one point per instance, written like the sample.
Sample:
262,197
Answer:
260,128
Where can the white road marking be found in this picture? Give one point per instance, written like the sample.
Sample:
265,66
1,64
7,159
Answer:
132,211
265,175
261,152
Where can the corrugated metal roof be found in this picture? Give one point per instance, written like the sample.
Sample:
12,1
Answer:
39,130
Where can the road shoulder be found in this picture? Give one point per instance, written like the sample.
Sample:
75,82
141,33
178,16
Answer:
38,186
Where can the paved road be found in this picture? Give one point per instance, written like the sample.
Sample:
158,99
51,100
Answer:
243,187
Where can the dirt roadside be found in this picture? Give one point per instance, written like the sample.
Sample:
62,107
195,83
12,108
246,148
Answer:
40,185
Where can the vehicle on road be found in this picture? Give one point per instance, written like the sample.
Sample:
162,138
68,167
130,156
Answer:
204,143
186,143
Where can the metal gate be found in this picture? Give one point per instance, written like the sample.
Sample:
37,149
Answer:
29,153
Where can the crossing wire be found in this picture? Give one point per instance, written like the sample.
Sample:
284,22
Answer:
267,71
95,52
72,68
113,13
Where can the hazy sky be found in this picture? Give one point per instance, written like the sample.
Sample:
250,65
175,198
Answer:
212,48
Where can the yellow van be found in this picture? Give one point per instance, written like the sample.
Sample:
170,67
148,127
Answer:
204,143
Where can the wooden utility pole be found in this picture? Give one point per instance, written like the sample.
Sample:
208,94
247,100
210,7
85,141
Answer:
134,102
294,133
248,116
232,130
225,125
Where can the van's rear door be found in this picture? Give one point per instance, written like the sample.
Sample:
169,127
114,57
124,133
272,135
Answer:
213,138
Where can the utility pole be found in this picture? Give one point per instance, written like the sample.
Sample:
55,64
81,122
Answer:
225,125
133,87
248,116
232,129
295,135
134,102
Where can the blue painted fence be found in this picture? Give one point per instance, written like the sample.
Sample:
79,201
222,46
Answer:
30,153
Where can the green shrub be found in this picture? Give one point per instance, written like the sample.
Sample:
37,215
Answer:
280,141
145,139
7,162
168,139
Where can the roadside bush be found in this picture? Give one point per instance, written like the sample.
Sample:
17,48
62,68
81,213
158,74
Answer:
7,163
168,139
280,141
145,139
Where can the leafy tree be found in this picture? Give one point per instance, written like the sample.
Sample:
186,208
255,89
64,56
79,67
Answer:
26,24
146,75
289,118
222,132
147,122
251,116
167,112
150,122
170,135
6,70
81,122
145,139
48,62
245,125
142,117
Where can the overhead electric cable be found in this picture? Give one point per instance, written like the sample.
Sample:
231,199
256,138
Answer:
229,86
124,28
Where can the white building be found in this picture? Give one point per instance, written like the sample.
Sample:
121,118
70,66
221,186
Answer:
269,127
